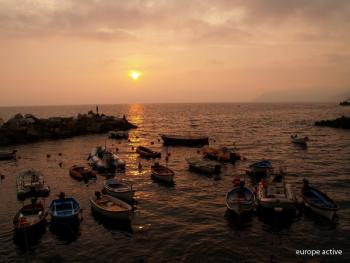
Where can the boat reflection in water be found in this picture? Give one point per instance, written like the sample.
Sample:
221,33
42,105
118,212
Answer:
66,231
111,224
27,240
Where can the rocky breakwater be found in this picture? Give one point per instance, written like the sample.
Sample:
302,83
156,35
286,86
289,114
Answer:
28,128
342,122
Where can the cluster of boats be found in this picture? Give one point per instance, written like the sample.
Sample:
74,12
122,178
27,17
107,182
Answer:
272,193
115,200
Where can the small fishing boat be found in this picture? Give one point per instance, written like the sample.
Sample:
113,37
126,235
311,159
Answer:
203,166
30,183
118,189
104,161
110,207
318,202
184,140
80,172
299,140
275,194
118,134
7,155
260,169
30,218
64,209
147,153
222,154
162,173
240,199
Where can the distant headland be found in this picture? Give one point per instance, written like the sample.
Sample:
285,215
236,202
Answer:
342,122
28,128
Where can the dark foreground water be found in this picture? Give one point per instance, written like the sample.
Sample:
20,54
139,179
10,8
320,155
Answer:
187,222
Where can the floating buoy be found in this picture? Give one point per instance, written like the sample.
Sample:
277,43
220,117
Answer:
152,143
2,177
48,155
158,140
198,151
132,148
18,157
116,149
166,158
129,140
169,154
60,164
136,137
140,166
59,154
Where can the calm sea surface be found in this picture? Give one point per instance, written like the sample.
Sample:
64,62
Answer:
188,222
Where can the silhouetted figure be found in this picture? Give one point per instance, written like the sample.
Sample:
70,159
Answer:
124,117
97,110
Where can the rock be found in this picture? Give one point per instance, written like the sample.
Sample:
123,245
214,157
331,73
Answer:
30,129
1,122
342,122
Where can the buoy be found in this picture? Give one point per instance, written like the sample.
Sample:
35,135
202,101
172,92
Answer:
166,158
169,154
132,148
59,154
214,140
18,157
129,140
136,137
152,143
116,149
158,140
60,164
198,151
2,177
48,155
140,166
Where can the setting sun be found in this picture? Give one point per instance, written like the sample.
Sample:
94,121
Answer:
134,74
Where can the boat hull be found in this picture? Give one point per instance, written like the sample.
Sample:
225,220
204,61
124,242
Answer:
191,142
120,215
326,213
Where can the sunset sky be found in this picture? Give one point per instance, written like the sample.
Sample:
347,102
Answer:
91,51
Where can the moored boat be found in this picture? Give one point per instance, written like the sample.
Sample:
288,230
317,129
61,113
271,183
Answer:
162,173
147,153
275,194
104,161
118,134
80,172
110,207
119,190
260,169
184,140
222,154
30,218
318,202
203,166
299,140
7,155
240,199
64,209
30,183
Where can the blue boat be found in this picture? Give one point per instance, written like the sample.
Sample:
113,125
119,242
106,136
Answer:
318,202
64,209
260,169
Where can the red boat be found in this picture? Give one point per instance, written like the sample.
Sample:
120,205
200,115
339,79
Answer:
79,172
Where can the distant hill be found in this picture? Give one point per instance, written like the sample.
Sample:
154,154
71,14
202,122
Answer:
297,95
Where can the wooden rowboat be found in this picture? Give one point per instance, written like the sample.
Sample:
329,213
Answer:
119,190
79,172
240,200
319,202
184,140
30,218
147,153
111,207
162,173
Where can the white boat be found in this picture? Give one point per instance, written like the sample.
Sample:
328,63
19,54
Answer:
319,202
203,166
299,140
162,173
30,183
111,207
104,161
240,200
275,194
119,190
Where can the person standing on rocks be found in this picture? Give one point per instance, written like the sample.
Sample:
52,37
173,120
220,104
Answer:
97,110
